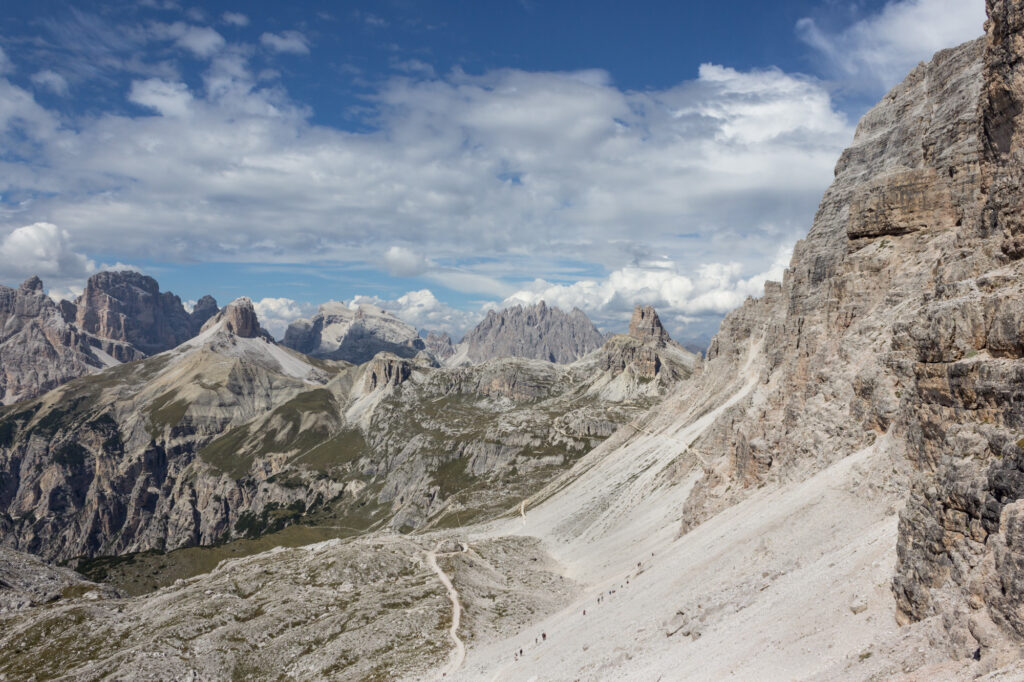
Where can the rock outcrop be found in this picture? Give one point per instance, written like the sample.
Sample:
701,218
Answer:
440,345
537,332
340,332
205,308
238,318
129,307
643,349
40,350
898,327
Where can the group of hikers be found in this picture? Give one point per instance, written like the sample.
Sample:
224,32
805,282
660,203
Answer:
543,637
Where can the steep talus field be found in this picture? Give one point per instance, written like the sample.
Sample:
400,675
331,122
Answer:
835,493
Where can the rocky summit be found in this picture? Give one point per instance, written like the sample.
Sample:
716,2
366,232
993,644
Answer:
121,317
537,331
129,307
836,492
40,350
352,334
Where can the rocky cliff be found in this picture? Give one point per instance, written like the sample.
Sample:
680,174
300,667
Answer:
129,307
121,317
536,332
340,332
440,345
40,350
900,317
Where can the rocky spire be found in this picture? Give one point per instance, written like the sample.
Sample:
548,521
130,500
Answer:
646,326
205,308
33,283
240,319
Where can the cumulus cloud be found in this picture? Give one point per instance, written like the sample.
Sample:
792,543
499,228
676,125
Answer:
41,249
403,262
479,182
235,19
423,310
169,99
710,291
879,50
286,41
276,313
52,81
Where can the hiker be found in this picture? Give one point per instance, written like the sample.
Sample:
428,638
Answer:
543,636
584,612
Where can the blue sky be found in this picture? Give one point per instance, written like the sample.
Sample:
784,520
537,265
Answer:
439,157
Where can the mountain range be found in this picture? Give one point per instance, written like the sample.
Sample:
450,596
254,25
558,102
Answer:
833,492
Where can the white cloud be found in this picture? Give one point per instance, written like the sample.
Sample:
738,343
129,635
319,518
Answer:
66,293
170,99
202,41
5,64
712,289
879,50
41,249
235,19
423,310
480,183
276,313
52,81
286,41
403,262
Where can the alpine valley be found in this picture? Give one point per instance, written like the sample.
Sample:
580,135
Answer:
833,491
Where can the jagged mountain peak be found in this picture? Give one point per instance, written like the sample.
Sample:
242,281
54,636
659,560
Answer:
238,318
645,325
535,331
33,283
352,333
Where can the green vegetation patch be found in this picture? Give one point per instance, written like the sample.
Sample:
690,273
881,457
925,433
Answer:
227,453
273,518
70,455
165,412
339,450
452,476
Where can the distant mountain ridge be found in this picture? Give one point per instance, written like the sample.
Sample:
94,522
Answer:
538,332
120,317
340,332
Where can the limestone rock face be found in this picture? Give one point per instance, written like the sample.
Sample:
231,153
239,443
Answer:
898,327
386,370
440,345
39,349
645,325
338,332
206,307
644,348
129,307
536,332
238,318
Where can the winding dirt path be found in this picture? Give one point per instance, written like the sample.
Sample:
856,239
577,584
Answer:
460,648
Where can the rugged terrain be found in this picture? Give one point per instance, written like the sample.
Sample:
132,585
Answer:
352,334
40,350
120,317
834,493
537,331
231,435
